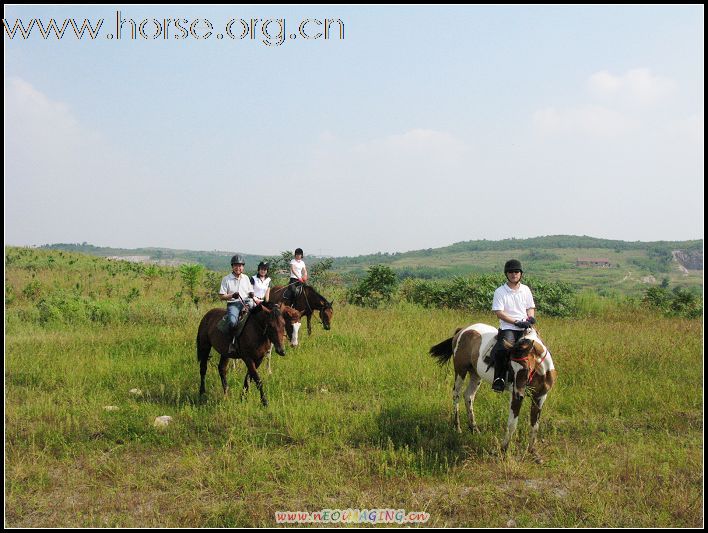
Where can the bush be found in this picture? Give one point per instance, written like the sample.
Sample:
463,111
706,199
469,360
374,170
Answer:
376,288
678,302
476,293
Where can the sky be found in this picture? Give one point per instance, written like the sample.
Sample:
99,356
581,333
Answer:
403,128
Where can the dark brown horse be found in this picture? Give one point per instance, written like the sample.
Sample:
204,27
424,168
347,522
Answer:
265,326
308,301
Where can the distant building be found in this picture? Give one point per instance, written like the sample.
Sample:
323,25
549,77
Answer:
592,262
130,258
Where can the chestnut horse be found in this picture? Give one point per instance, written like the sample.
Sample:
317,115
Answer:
306,302
531,364
265,326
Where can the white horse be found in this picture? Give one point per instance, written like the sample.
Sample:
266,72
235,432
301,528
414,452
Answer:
531,364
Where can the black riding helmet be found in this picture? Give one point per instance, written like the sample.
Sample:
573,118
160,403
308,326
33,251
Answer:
238,259
512,264
299,251
263,264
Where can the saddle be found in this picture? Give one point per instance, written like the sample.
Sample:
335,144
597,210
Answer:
223,324
294,291
488,359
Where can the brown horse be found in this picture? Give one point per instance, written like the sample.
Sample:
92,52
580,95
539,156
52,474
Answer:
265,326
306,302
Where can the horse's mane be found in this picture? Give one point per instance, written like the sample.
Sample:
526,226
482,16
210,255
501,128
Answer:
305,287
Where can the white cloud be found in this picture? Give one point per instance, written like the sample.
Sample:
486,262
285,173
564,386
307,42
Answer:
595,121
64,180
418,143
637,86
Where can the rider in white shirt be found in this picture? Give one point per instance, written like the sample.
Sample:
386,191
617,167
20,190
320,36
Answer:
237,291
515,308
298,274
261,283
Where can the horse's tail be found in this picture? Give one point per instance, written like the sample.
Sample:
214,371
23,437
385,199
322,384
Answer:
202,340
442,351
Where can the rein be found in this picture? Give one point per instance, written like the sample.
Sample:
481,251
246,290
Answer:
307,301
528,357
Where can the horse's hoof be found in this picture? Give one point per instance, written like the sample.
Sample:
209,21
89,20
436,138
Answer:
475,429
265,403
536,458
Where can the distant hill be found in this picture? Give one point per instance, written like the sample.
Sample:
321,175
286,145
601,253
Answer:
214,260
586,262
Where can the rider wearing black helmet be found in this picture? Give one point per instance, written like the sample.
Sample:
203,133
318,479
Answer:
237,291
514,305
298,276
261,283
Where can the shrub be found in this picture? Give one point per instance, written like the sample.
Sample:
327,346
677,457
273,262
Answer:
376,288
476,293
678,302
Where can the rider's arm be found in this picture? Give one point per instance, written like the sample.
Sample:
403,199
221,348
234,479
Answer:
506,318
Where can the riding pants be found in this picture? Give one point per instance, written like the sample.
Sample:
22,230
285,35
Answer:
500,353
233,310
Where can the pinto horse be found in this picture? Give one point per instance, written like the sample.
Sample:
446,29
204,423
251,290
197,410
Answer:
292,323
292,327
306,302
531,364
265,326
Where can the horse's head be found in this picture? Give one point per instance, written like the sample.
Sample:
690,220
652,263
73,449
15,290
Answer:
326,313
275,326
292,323
524,359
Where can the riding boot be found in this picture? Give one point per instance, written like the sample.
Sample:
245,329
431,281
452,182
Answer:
499,355
232,346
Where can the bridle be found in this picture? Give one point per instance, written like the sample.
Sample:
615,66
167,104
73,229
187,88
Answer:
529,357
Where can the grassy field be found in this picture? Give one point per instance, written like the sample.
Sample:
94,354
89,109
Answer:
359,418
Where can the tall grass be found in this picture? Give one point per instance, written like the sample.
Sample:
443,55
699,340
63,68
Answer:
359,417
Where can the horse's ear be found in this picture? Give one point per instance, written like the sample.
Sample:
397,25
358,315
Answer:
508,345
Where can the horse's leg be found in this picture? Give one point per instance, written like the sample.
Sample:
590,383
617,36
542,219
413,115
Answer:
513,421
309,327
223,367
536,406
203,349
470,393
459,381
203,363
244,391
251,365
269,354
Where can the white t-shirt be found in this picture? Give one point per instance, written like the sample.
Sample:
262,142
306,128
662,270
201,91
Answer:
241,285
514,303
260,286
296,268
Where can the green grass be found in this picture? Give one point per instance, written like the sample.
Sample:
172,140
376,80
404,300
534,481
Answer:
360,417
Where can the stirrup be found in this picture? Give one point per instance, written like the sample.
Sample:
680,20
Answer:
232,346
